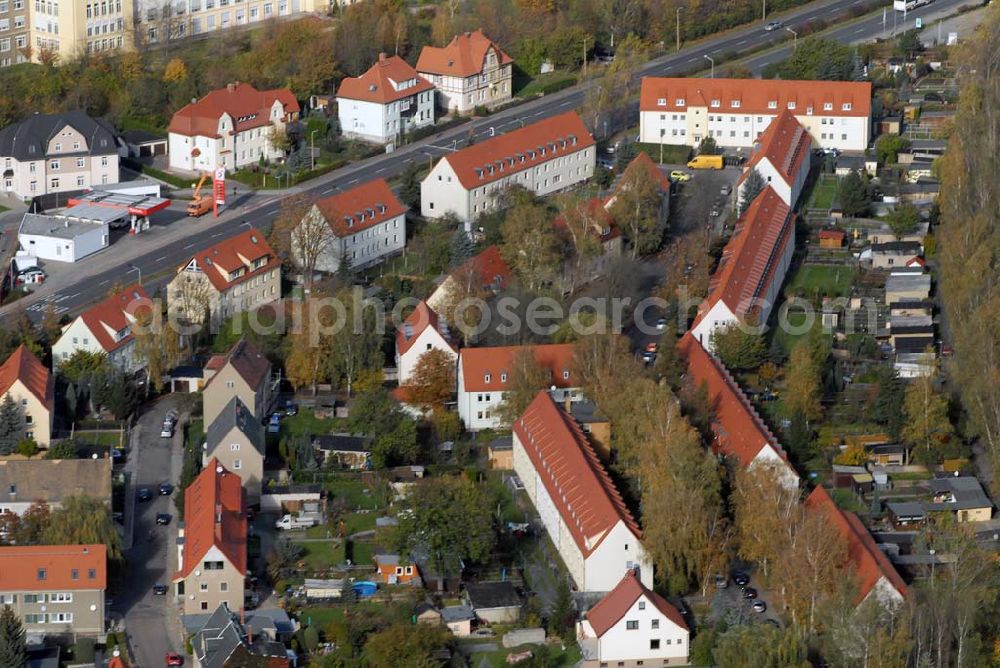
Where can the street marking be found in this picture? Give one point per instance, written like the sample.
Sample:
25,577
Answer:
189,246
380,170
693,60
741,42
74,295
271,212
162,257
217,234
859,30
106,281
352,181
565,103
328,190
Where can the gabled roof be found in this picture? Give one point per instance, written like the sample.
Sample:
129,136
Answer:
869,563
785,144
52,480
489,595
617,602
114,315
343,443
29,139
602,223
360,208
422,317
739,430
498,157
642,161
383,80
464,56
748,263
237,253
477,363
488,266
756,96
576,481
248,107
235,416
53,567
23,366
251,364
214,516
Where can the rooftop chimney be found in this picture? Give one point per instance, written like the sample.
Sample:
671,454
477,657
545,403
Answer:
232,86
381,57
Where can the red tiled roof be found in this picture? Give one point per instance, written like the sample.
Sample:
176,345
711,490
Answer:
361,207
603,224
233,254
422,317
739,431
748,263
643,161
519,150
22,365
617,602
489,267
240,101
755,96
251,364
464,56
214,516
567,465
477,362
20,566
115,314
869,563
379,83
832,234
785,144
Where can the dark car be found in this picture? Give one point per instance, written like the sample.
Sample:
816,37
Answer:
163,519
159,590
750,593
759,606
117,455
166,489
144,494
291,408
741,578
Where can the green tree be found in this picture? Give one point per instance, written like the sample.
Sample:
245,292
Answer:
560,620
530,245
817,58
752,186
761,646
283,555
13,647
888,147
358,345
409,187
82,364
406,646
11,425
708,146
462,247
27,447
636,206
853,194
803,377
739,349
927,428
83,520
65,449
887,409
375,414
903,219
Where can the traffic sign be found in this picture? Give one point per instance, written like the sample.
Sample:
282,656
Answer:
920,23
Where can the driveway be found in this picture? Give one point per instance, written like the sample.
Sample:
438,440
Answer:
152,622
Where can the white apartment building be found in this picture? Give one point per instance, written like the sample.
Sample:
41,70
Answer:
50,153
106,328
545,157
583,513
385,103
782,157
472,71
230,127
735,112
361,226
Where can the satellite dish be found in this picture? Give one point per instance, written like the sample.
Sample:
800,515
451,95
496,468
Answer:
219,469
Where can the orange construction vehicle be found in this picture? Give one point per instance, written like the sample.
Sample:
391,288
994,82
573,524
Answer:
199,205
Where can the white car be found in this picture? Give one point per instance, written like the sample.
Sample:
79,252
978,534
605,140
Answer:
772,25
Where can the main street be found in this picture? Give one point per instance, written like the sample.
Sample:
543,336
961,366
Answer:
174,238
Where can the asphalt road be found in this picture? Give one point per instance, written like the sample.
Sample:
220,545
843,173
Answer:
86,284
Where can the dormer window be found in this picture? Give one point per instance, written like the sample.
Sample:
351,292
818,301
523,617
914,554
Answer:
662,102
809,111
565,374
846,106
679,102
503,377
791,105
735,104
486,378
772,104
828,106
716,104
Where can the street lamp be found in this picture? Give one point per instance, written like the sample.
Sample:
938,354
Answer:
312,149
711,60
679,28
795,38
764,12
132,268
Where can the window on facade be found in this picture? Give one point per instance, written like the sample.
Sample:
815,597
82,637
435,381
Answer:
654,643
632,625
42,574
642,605
223,586
655,624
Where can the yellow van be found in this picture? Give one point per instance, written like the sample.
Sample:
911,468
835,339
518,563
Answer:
706,162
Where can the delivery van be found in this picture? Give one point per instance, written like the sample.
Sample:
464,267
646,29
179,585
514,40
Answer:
707,162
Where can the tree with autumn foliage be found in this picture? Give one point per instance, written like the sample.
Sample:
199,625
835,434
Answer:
525,378
803,376
530,246
636,206
433,381
581,223
812,566
928,427
308,343
764,511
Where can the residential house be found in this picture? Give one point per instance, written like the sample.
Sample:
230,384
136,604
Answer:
483,275
892,254
906,515
885,235
361,226
642,162
583,512
386,103
735,112
212,545
458,619
392,569
51,481
226,641
595,425
29,384
602,228
740,435
907,288
106,328
874,576
471,71
235,275
963,496
545,157
747,283
344,450
56,590
910,326
422,331
235,438
500,452
911,307
633,625
782,157
494,602
243,372
483,374
55,153
230,128
425,613
845,164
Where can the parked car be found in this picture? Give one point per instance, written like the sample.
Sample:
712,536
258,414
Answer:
163,519
661,324
721,581
174,659
117,455
750,593
724,191
741,578
167,430
759,606
159,590
144,494
32,276
291,408
680,176
274,424
771,26
166,489
652,347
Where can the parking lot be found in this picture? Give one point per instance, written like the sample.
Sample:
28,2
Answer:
731,605
698,197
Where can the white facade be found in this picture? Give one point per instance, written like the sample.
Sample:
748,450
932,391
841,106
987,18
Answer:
789,192
643,634
77,336
429,339
361,249
229,148
65,166
479,410
63,241
384,123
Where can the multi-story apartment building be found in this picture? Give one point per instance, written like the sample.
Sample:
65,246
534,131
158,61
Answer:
15,32
235,275
230,127
49,153
30,385
734,112
106,328
24,482
544,157
361,226
243,372
164,20
212,546
472,71
56,590
235,439
385,103
71,28
782,157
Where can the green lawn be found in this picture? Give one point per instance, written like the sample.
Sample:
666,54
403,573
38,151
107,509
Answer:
823,193
547,83
795,319
105,438
3,208
353,490
320,556
305,423
814,281
353,523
